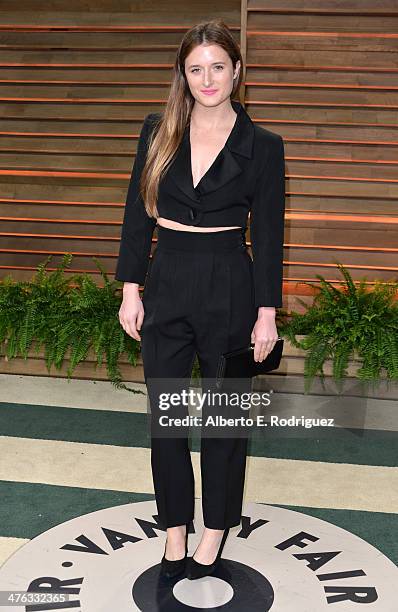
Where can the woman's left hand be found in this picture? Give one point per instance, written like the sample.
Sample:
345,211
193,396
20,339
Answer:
264,334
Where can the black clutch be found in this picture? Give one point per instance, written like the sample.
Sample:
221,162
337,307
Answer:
241,364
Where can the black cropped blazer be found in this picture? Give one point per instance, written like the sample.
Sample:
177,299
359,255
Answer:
247,176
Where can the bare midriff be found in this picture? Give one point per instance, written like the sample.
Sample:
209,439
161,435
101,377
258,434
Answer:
191,228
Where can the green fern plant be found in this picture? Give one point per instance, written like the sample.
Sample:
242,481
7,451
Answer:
58,317
341,321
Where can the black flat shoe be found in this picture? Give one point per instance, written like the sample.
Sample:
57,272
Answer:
169,568
199,570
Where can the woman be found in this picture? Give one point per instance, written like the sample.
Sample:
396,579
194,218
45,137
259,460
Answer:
201,167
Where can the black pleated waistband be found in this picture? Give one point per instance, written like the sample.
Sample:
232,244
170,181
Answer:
180,240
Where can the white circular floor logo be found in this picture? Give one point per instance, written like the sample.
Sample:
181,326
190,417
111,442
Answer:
276,559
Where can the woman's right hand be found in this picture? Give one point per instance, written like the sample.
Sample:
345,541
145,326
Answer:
131,312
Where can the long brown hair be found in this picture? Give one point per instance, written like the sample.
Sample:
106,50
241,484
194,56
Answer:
167,134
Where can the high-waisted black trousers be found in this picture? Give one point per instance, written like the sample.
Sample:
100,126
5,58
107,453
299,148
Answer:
198,300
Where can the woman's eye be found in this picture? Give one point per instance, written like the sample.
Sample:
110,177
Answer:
196,69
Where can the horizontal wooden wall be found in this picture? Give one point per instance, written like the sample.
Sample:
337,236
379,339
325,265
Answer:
75,86
324,75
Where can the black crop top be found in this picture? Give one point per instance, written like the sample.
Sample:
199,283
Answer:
247,176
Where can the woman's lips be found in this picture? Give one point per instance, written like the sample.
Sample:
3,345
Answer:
209,92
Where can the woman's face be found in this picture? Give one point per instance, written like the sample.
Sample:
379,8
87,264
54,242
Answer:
209,68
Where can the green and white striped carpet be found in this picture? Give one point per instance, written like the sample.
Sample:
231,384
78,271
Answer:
72,447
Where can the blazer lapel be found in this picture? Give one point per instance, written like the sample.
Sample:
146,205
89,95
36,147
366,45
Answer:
224,168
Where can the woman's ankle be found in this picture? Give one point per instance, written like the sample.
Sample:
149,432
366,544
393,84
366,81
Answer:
209,532
175,542
176,536
179,529
208,546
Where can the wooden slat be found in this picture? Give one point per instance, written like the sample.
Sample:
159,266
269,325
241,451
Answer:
324,77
